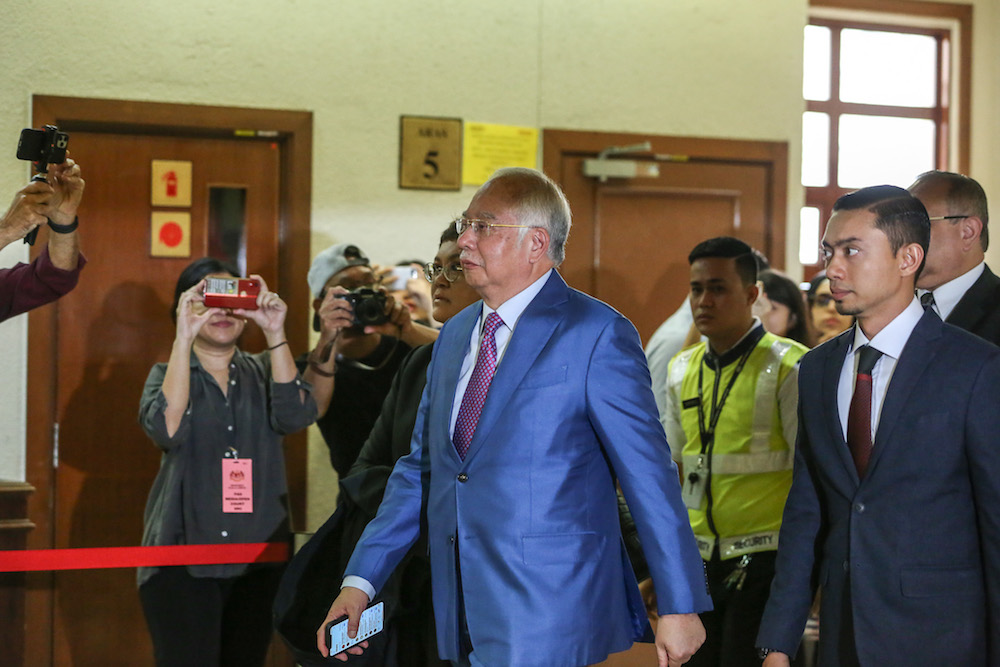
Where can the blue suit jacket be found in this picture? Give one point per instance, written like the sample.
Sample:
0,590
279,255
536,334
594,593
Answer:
531,514
920,534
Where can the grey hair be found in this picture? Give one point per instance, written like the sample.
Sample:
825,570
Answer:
538,202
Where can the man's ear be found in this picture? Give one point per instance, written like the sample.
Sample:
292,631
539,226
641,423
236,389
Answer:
753,292
538,240
971,229
910,257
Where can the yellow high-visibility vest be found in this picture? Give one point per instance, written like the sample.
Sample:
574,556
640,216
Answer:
749,464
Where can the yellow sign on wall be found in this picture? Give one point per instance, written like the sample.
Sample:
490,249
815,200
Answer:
170,234
171,183
489,147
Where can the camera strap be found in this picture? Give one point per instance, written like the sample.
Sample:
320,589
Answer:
365,367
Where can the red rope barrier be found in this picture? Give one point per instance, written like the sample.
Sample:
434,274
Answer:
111,557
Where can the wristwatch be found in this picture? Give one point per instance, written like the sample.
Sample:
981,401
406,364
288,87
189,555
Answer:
764,652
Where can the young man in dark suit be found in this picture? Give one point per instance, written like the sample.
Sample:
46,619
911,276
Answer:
955,279
895,502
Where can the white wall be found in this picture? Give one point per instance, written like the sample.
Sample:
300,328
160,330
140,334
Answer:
714,68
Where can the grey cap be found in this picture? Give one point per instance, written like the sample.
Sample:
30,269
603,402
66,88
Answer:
333,260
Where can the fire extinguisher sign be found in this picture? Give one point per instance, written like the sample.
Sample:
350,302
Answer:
171,183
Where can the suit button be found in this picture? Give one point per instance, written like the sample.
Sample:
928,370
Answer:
847,566
462,477
859,508
451,539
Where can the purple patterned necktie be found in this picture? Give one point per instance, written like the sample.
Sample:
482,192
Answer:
479,386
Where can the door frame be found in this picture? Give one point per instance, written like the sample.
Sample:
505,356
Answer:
772,155
292,130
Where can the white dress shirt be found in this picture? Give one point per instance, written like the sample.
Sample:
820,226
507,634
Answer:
947,296
890,341
510,312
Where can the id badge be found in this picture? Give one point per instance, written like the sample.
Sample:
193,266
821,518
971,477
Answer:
237,486
693,490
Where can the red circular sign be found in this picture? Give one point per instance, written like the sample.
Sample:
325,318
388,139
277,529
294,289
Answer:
171,234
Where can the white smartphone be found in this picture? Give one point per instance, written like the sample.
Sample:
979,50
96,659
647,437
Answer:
372,623
400,276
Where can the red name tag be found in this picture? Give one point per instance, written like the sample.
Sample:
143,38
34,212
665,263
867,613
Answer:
237,486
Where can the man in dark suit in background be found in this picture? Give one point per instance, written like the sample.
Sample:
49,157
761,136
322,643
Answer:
964,290
895,501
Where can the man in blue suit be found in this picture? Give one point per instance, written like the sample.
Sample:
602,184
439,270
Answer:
894,508
528,564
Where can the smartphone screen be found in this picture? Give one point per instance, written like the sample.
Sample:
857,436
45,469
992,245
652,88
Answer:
400,276
372,623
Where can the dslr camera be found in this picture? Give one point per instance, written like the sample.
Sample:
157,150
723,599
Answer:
368,306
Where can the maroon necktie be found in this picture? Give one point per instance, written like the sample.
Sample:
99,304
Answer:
479,386
859,417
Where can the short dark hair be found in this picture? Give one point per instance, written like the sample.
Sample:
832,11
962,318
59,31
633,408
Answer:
194,272
900,215
449,234
965,197
779,288
728,247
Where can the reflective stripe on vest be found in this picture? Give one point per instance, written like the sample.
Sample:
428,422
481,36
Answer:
760,457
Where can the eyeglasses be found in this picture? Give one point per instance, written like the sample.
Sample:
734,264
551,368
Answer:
948,217
451,272
480,227
823,300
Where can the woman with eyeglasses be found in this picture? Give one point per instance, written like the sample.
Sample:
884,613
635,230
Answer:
409,636
826,321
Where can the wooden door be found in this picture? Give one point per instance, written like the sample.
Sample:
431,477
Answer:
112,329
107,334
631,237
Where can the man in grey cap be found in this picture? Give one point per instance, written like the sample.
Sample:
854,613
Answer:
364,334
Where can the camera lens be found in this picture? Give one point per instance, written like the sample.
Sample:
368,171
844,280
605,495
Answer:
369,307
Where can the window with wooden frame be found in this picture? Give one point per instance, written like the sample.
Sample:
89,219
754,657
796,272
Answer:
886,85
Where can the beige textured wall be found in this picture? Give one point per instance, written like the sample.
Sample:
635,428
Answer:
717,68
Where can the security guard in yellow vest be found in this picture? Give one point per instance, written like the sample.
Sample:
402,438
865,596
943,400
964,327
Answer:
730,419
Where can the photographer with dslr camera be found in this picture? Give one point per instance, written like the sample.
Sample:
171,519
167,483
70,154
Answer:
364,336
55,271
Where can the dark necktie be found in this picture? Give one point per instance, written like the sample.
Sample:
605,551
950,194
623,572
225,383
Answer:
927,300
859,417
479,386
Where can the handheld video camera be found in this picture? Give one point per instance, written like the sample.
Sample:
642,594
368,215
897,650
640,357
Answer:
231,293
43,147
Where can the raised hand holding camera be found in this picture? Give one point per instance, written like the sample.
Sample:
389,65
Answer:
45,147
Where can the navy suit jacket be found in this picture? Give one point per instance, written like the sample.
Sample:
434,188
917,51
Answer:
918,539
978,310
530,517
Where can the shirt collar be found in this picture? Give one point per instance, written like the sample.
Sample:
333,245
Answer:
891,340
511,309
196,362
747,340
947,296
